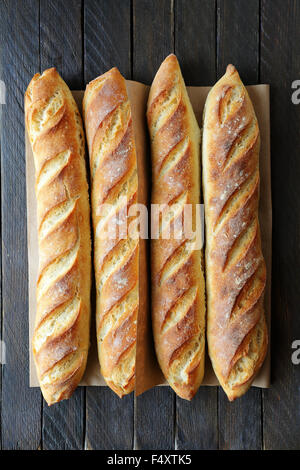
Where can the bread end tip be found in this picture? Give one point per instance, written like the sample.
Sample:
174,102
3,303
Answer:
171,58
230,70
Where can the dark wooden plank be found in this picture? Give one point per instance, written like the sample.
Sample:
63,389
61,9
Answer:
238,43
61,45
153,40
61,39
153,36
240,421
238,37
21,406
109,420
107,37
197,422
195,40
63,424
154,419
280,66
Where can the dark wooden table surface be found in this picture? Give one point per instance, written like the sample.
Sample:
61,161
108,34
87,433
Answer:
84,38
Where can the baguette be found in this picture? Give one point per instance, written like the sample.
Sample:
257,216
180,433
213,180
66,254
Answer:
178,304
61,336
115,184
235,267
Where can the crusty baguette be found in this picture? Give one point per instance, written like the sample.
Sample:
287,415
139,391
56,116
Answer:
114,180
235,267
178,304
61,337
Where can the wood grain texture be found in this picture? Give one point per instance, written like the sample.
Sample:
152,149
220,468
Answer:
107,38
153,36
197,422
238,43
21,406
61,41
195,40
154,426
238,37
240,422
156,407
279,66
109,420
63,424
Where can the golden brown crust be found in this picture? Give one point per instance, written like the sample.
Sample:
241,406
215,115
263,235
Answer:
61,337
235,267
178,306
113,163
